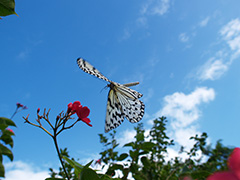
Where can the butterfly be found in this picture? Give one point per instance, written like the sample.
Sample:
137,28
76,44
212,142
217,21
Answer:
122,101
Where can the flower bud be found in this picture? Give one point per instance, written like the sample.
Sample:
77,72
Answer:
69,108
19,105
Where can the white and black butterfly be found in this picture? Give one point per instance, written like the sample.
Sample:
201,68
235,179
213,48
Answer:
122,101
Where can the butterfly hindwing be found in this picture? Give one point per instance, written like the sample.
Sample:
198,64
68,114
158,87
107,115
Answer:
88,68
114,115
132,108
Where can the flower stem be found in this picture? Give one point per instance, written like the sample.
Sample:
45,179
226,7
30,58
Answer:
59,155
14,113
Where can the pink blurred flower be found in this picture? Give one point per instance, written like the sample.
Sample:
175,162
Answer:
19,105
234,168
98,161
10,130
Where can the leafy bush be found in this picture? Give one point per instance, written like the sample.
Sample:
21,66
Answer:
145,157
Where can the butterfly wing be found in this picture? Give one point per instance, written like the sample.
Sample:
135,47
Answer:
131,84
114,115
132,108
88,68
127,91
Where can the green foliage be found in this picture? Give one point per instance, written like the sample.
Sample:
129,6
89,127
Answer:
5,140
69,168
109,155
145,158
75,170
5,122
7,7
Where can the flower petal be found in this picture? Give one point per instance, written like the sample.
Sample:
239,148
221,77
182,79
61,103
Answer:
223,176
234,162
70,108
76,104
19,105
77,107
87,121
83,112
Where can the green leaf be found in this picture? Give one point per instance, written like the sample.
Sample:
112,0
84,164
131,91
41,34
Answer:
7,140
7,7
88,164
6,137
110,171
106,177
147,146
5,122
129,144
200,174
133,154
88,174
145,161
139,137
134,168
2,170
137,177
72,162
77,167
122,156
5,151
117,166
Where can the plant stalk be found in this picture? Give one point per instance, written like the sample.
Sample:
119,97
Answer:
59,155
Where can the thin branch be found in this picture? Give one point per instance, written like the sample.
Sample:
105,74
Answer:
39,126
63,128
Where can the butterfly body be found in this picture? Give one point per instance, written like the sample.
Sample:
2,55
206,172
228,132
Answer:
122,102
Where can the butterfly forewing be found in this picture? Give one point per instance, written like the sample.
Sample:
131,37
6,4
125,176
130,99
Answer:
127,91
114,115
88,68
131,84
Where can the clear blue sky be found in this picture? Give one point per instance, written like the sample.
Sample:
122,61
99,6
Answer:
185,54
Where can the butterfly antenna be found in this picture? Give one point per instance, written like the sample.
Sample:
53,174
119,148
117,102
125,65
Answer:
104,88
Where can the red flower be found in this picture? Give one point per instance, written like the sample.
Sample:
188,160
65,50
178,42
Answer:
234,166
82,112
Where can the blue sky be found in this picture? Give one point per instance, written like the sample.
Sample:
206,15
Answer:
185,54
